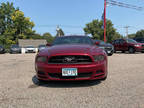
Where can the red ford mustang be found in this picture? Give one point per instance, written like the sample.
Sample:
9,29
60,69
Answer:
71,58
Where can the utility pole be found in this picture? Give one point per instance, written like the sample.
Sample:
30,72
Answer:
126,27
105,4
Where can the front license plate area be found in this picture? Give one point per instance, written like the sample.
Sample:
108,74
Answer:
108,51
69,72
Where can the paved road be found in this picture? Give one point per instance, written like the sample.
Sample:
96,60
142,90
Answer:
124,87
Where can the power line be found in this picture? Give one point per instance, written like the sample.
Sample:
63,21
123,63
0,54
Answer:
121,4
66,26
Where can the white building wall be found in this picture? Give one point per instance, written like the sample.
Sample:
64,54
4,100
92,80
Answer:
22,50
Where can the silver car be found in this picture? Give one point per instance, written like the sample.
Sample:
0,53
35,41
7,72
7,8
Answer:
30,49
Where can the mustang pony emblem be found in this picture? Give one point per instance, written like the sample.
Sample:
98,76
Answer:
69,59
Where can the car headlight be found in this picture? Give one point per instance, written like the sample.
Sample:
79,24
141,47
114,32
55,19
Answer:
41,59
99,58
112,47
137,45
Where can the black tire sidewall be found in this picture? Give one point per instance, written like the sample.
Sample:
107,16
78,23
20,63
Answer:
131,50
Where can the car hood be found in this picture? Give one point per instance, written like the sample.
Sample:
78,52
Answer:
71,49
15,48
136,43
140,43
106,45
29,48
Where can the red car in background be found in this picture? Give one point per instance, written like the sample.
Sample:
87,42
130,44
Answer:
71,58
129,45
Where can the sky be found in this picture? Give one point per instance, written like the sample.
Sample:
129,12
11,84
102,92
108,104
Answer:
72,15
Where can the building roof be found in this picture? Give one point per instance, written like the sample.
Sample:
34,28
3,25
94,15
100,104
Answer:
34,42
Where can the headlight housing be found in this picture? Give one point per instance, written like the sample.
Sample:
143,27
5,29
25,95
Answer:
98,58
112,47
137,45
41,59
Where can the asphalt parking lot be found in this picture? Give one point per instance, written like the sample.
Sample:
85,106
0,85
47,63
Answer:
124,87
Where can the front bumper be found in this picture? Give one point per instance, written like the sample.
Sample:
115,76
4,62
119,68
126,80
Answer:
30,51
15,51
108,50
85,71
2,51
139,48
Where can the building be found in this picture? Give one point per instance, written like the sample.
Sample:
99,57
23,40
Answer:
34,42
31,42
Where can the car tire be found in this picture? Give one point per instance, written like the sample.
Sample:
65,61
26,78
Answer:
142,51
110,54
3,52
104,78
131,50
114,51
41,81
123,51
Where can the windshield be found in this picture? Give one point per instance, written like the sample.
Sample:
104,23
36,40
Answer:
72,40
1,46
100,41
42,46
29,47
142,40
15,46
131,41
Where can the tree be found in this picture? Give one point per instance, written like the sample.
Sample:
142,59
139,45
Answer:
48,37
6,41
13,24
140,33
132,35
22,25
6,10
35,36
95,28
60,32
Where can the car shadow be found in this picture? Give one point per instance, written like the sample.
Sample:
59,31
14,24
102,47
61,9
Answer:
63,84
128,53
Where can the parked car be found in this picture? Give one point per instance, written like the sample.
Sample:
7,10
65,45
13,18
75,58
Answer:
2,49
139,39
71,58
15,49
30,49
105,46
129,45
41,47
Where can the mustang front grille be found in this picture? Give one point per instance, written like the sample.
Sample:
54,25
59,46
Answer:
73,59
108,48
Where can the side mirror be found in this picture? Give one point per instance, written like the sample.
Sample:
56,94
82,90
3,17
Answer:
48,44
97,43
